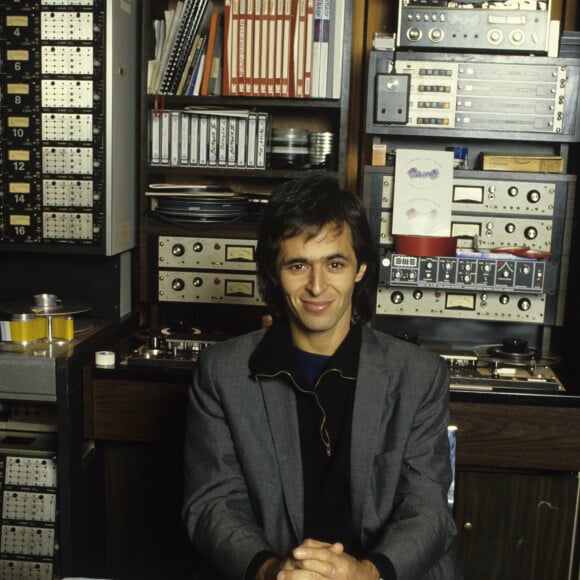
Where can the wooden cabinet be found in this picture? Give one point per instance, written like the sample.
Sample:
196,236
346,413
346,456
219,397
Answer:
516,494
515,524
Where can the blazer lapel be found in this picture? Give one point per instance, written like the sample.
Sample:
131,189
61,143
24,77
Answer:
283,422
368,407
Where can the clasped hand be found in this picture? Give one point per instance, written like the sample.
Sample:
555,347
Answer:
315,560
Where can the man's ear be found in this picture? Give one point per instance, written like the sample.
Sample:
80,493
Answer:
361,272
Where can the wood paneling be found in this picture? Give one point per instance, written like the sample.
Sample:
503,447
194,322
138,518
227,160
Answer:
517,436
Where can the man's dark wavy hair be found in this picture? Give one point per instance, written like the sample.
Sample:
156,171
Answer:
307,205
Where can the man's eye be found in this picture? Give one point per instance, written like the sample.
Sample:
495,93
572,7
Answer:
336,265
296,267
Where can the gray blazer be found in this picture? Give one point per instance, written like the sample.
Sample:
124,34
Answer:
243,470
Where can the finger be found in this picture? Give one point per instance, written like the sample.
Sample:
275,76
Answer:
336,548
311,543
315,568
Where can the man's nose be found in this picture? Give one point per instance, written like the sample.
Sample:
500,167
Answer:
316,280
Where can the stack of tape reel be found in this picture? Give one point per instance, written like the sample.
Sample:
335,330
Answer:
289,148
321,149
47,318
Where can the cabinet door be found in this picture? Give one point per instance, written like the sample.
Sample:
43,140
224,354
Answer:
515,525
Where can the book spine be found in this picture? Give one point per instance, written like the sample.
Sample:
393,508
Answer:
227,49
189,36
257,47
309,45
185,75
217,66
316,42
324,41
199,73
264,48
177,48
234,43
242,48
211,45
286,48
249,48
169,46
300,50
187,89
279,48
339,23
272,41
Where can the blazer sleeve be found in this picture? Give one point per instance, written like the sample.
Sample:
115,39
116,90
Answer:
217,509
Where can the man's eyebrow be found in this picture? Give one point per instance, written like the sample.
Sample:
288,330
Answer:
300,260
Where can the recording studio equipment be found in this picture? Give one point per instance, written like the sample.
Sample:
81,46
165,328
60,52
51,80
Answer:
475,95
68,88
207,270
49,522
514,27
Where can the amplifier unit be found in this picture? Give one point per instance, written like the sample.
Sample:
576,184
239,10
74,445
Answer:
470,305
500,97
489,209
475,26
206,253
487,232
488,192
489,274
208,287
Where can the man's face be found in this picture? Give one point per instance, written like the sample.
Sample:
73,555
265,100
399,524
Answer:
317,277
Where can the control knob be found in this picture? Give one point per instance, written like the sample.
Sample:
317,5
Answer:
177,284
531,233
397,297
178,250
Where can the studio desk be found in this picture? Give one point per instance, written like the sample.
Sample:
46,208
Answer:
516,480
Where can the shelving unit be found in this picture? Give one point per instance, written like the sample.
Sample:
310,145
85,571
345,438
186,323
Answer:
494,483
312,114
